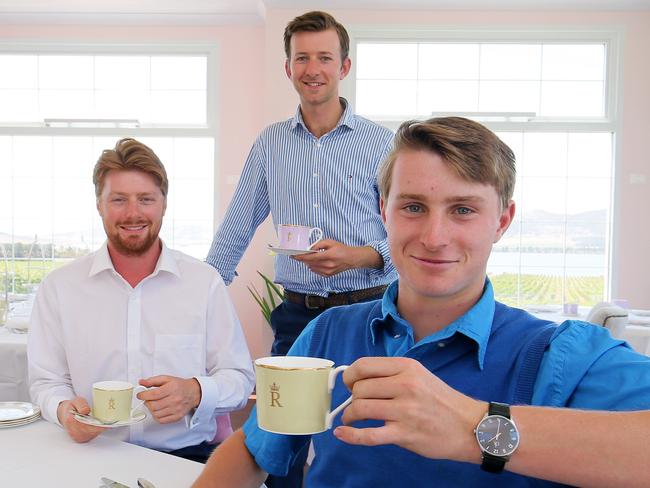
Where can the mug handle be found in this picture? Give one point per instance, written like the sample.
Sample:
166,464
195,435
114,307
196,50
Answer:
329,417
139,403
315,230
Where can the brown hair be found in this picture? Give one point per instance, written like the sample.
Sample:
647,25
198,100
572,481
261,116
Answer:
471,149
129,154
316,21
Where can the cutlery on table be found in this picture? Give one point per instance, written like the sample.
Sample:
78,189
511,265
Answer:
109,483
143,483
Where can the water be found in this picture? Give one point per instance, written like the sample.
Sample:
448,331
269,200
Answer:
541,263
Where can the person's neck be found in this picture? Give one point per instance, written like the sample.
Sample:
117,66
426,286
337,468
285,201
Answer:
322,118
429,315
134,269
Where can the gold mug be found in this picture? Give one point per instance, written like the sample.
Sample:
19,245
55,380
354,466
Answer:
294,394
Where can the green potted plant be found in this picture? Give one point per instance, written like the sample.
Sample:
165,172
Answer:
267,302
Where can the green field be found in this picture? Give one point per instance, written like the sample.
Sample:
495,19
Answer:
511,289
522,290
21,275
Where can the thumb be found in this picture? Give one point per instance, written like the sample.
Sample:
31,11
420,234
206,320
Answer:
80,405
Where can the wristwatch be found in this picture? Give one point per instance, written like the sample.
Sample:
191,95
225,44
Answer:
497,436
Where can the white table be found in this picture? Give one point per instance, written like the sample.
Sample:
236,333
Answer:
41,454
13,366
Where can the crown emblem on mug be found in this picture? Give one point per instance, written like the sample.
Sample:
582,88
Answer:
275,395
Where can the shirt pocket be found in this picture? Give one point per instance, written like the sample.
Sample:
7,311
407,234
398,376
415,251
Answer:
178,355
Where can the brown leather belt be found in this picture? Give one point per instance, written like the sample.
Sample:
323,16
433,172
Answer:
315,302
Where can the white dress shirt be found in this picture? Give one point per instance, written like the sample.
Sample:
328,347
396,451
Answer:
89,325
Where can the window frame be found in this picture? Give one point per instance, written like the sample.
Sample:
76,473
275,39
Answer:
506,35
207,49
609,123
55,47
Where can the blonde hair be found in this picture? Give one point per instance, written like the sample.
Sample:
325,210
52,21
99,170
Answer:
129,154
471,149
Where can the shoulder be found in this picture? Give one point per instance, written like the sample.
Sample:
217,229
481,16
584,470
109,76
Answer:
193,268
274,130
76,270
373,129
577,333
512,317
585,367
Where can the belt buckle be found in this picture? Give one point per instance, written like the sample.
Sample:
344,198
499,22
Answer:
308,306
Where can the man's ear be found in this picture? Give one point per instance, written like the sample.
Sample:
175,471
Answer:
99,209
345,68
505,219
287,68
382,209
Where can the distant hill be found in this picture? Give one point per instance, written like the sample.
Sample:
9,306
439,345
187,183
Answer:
539,230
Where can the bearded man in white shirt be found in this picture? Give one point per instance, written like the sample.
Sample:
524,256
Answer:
137,311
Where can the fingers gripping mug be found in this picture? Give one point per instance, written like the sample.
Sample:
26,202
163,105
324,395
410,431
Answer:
294,394
298,236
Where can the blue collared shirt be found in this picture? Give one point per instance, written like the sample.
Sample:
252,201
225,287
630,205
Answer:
583,367
327,182
560,380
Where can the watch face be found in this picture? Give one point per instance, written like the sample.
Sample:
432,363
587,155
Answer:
497,435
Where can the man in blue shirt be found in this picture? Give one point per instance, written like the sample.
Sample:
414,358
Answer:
316,169
436,364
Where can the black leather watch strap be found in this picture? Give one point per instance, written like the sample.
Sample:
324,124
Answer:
497,408
492,464
495,464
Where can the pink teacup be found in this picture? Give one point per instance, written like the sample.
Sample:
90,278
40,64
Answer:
298,236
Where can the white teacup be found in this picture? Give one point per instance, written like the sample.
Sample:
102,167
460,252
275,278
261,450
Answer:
294,394
298,236
113,400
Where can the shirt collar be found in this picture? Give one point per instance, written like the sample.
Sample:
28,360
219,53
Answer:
347,118
102,261
476,323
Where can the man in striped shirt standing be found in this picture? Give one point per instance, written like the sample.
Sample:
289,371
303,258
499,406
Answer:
316,169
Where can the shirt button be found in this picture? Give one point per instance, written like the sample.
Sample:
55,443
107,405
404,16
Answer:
315,175
318,144
441,344
316,205
397,336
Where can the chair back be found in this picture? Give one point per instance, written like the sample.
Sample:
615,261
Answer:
610,316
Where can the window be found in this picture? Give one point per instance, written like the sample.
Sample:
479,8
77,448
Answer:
550,97
61,106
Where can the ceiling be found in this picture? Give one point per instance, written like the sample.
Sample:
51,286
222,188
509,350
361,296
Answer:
254,11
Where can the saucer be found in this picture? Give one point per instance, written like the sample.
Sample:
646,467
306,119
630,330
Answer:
135,418
290,252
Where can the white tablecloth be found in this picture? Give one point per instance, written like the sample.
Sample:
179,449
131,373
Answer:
13,366
42,455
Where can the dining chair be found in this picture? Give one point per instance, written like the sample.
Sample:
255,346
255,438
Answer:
610,316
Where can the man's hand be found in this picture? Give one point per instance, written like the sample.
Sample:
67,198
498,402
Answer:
334,257
77,431
173,398
421,413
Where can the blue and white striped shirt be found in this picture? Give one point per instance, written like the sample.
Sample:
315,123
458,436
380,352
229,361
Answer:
327,182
